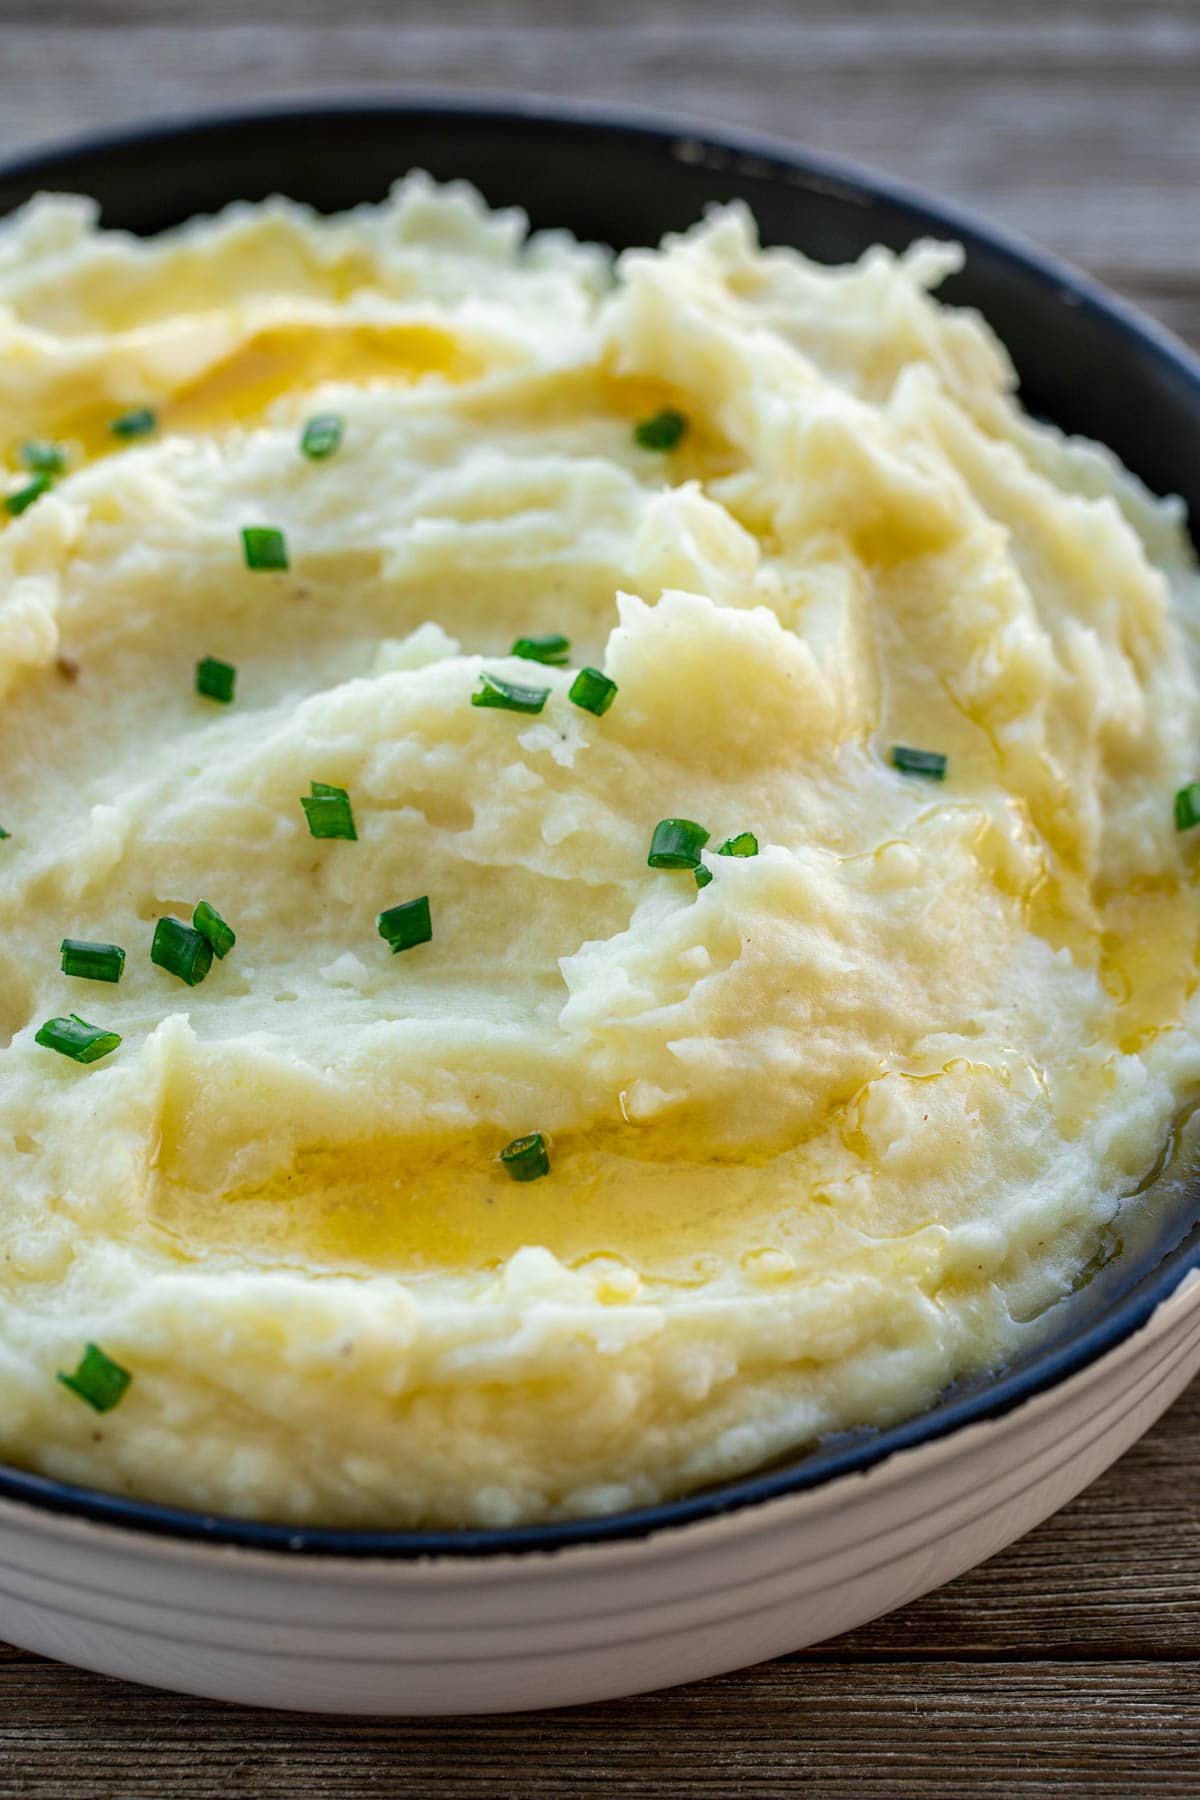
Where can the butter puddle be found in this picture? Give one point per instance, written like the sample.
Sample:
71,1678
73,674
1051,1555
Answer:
289,358
299,356
437,1206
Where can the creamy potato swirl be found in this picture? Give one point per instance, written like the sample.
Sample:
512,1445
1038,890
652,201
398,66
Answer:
824,1133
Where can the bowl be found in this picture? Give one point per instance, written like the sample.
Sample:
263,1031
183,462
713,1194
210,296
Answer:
479,1621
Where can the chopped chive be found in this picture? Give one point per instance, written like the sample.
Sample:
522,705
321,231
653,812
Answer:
75,1038
24,497
209,923
91,962
551,647
703,875
526,1158
215,679
593,691
322,435
1187,806
508,696
3,833
677,844
930,763
662,431
264,547
181,950
744,844
135,423
328,812
43,458
404,926
99,1380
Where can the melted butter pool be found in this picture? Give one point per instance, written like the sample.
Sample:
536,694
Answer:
240,387
441,1205
659,1199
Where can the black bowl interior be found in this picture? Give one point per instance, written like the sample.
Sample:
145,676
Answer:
1084,359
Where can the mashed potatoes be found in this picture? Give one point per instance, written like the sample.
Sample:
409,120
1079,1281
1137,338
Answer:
828,1125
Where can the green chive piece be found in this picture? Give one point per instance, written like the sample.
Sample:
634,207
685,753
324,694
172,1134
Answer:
677,844
526,1158
24,497
91,962
551,647
593,691
75,1038
181,950
215,679
43,458
703,875
135,423
406,925
209,923
99,1380
930,763
508,696
322,435
3,833
328,812
1187,806
744,844
662,431
264,547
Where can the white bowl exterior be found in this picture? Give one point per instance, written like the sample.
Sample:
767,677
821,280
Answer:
460,1635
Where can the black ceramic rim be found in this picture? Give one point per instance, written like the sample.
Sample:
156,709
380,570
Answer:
1144,1288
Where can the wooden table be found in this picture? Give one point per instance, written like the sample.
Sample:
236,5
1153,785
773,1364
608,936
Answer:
1071,1664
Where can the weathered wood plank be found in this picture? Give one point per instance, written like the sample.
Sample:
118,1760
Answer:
1080,28
1081,131
921,1730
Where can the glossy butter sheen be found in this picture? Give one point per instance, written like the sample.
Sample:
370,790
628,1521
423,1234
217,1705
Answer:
825,1134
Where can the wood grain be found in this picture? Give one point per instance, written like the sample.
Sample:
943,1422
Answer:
1076,123
1071,1664
930,1729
